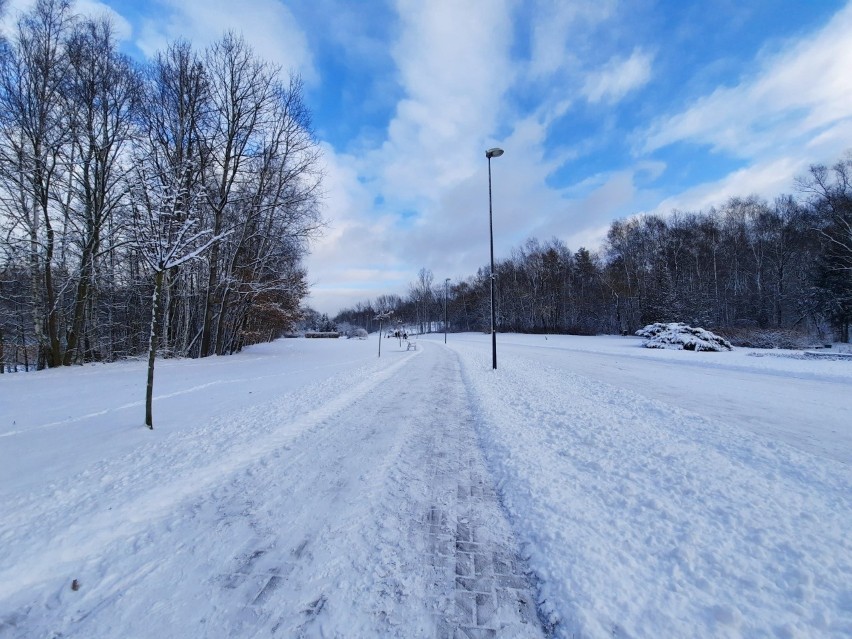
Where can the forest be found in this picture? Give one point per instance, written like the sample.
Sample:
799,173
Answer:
773,275
171,200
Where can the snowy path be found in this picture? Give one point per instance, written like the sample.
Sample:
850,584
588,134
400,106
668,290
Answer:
371,515
479,580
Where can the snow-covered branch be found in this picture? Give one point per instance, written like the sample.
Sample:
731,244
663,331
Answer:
166,217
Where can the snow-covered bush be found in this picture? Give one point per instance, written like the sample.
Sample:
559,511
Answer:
352,332
679,336
345,328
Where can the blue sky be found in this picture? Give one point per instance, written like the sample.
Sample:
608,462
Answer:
605,109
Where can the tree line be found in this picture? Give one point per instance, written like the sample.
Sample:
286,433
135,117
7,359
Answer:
195,176
747,268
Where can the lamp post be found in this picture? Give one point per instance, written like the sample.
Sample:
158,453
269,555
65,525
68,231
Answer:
446,283
492,153
382,317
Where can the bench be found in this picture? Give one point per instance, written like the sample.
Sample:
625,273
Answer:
410,346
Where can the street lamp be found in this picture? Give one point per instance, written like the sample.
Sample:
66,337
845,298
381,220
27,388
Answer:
446,283
492,153
382,317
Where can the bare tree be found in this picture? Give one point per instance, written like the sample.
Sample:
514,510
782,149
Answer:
175,118
421,294
242,92
275,211
104,91
166,235
829,193
228,142
33,80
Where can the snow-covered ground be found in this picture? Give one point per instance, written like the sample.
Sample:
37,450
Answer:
587,488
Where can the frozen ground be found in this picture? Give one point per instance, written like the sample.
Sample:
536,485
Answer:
588,488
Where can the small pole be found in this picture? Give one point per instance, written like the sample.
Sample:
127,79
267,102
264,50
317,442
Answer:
446,283
381,317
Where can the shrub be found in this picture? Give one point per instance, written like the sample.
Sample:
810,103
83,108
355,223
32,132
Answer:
679,336
767,338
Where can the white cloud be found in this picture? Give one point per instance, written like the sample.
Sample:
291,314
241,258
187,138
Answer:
793,111
96,9
454,67
14,8
618,78
794,96
355,258
455,70
268,26
585,219
557,27
451,237
89,8
766,179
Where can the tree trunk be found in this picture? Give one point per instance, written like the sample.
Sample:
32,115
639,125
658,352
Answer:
72,349
54,354
209,300
221,327
152,349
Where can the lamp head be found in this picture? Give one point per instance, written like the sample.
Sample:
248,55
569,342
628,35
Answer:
493,153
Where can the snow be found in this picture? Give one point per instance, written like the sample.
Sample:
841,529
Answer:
589,487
